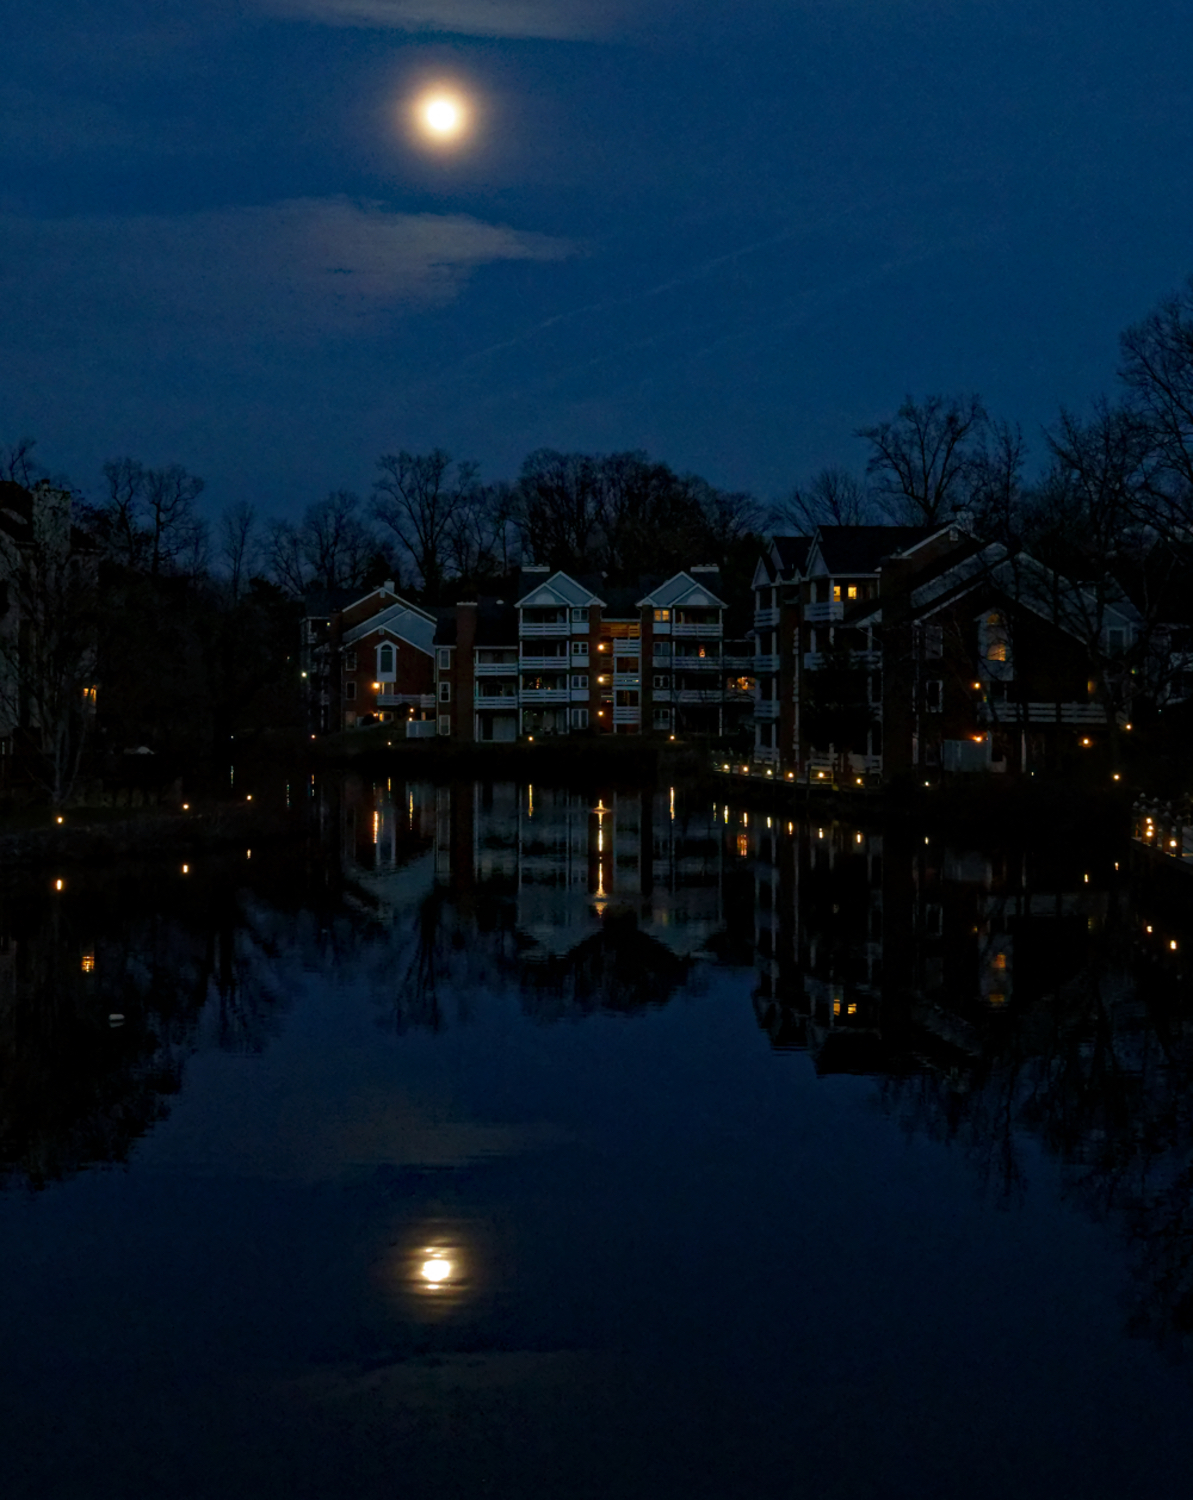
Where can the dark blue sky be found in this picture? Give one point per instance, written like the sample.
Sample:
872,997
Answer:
727,234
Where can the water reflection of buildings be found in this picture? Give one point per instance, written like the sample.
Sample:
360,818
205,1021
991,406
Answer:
996,996
580,899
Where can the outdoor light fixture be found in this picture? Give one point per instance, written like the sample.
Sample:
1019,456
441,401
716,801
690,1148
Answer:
1172,944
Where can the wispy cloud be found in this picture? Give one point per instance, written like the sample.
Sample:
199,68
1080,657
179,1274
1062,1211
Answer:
557,19
298,270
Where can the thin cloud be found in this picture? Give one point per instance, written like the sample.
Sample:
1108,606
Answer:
299,270
553,19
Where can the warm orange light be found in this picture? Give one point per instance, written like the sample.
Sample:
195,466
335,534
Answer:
1172,944
88,964
1085,740
60,885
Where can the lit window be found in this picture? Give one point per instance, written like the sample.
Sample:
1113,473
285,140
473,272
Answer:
836,593
662,616
851,591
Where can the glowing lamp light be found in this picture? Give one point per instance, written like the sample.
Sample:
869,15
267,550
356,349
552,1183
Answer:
436,1270
59,819
60,885
1172,944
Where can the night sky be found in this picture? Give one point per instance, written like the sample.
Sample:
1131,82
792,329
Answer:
728,234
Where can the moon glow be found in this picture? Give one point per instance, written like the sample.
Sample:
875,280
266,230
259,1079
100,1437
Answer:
441,116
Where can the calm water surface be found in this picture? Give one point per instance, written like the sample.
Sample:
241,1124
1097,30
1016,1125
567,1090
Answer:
508,1140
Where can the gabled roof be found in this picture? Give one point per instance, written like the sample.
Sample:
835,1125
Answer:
559,588
764,572
680,590
860,549
1022,580
400,620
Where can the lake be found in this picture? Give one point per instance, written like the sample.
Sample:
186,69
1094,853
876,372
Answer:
497,1139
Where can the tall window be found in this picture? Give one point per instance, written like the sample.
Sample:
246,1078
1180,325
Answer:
385,660
445,658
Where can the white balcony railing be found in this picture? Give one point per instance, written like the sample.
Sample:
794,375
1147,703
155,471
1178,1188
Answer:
817,614
560,627
766,709
533,697
527,663
763,617
697,632
500,668
766,663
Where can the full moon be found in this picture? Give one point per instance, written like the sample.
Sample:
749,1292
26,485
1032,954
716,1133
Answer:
442,116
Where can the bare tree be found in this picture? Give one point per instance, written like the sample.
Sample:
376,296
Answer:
238,543
285,559
833,497
337,544
997,493
17,464
169,497
925,461
1157,370
47,634
119,521
418,497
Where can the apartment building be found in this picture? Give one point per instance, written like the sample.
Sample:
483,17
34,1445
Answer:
570,655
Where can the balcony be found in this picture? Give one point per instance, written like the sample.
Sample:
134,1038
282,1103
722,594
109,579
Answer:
711,694
535,697
527,629
768,662
501,668
529,663
695,632
399,700
766,709
823,613
680,663
763,617
1041,713
496,692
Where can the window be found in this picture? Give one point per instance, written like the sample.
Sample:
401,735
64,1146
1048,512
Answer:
445,658
995,631
625,664
836,593
662,650
662,718
579,718
626,698
662,680
579,648
445,723
385,660
851,591
662,617
349,690
934,695
445,692
933,640
349,661
580,616
580,683
1116,640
